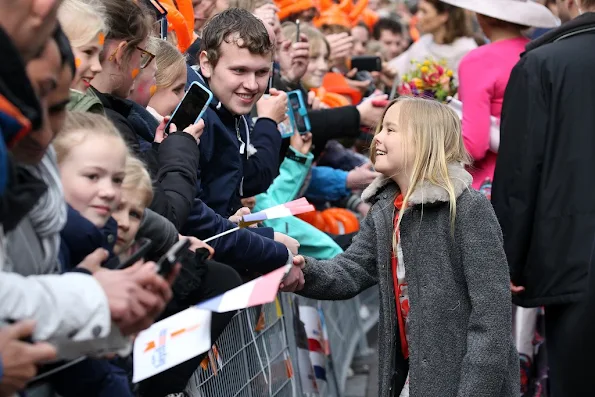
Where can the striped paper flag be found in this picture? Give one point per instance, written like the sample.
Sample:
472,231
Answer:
257,292
295,207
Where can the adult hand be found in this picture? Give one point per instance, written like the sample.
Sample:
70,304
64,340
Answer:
291,243
93,261
294,281
267,13
249,202
315,103
195,244
301,143
195,130
361,176
371,115
341,45
274,106
20,359
294,59
237,217
136,295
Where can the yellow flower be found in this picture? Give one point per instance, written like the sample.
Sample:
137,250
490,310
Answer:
425,69
449,73
426,63
418,82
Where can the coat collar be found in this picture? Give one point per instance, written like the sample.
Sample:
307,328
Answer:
426,193
581,24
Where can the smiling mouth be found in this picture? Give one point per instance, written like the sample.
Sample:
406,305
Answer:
380,153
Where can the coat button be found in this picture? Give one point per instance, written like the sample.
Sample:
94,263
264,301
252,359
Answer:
424,362
96,331
110,238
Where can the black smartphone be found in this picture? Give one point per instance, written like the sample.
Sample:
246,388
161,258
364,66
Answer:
138,251
191,108
167,262
51,369
366,63
297,32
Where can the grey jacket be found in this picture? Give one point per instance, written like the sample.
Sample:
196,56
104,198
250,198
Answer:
460,325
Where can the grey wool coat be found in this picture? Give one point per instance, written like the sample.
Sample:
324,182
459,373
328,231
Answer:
460,319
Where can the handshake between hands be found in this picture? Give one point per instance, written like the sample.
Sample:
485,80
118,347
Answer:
294,280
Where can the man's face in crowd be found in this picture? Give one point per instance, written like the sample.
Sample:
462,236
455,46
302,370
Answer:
29,23
240,78
392,42
44,73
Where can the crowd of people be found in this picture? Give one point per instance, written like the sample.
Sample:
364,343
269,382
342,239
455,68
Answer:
92,170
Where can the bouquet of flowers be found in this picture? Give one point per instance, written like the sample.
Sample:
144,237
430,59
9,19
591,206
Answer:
429,79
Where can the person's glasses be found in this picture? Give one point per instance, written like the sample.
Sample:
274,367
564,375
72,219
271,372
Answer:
145,57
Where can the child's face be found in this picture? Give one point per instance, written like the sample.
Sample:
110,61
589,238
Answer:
88,64
128,214
92,175
395,152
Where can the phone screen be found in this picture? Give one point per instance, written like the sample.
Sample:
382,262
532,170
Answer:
191,107
295,106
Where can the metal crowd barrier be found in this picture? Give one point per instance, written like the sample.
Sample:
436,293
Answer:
257,354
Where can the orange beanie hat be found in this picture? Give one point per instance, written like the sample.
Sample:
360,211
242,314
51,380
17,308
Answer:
289,7
333,16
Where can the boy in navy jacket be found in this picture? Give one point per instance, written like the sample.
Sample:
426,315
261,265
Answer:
236,160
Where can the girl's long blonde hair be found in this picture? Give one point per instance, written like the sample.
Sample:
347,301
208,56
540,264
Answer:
436,134
171,64
82,21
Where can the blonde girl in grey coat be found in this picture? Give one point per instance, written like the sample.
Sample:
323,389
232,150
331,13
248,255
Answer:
447,332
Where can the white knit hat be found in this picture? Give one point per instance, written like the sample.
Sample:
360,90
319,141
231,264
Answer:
520,12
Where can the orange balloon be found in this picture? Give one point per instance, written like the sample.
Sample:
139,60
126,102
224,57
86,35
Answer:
177,23
186,9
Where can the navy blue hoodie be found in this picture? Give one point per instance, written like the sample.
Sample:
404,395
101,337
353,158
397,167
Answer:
225,175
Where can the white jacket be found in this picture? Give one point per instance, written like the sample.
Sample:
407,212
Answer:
71,310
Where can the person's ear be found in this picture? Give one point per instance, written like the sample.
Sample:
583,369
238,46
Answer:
120,52
205,65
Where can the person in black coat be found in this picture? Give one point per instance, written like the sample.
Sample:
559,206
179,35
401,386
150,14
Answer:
542,191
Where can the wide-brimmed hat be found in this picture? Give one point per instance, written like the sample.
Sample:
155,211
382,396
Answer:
520,12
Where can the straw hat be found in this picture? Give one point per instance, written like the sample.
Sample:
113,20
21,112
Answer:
520,12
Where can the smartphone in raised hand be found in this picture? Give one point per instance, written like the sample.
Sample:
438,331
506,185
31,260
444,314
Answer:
192,107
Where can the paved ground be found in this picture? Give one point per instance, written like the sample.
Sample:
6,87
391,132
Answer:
364,382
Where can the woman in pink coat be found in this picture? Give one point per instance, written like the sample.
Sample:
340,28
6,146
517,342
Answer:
484,72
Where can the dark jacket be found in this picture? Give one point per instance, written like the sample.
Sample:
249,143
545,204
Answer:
224,176
80,238
20,113
92,377
542,190
460,321
172,163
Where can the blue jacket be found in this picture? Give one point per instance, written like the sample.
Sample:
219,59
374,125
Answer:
224,176
80,238
327,184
